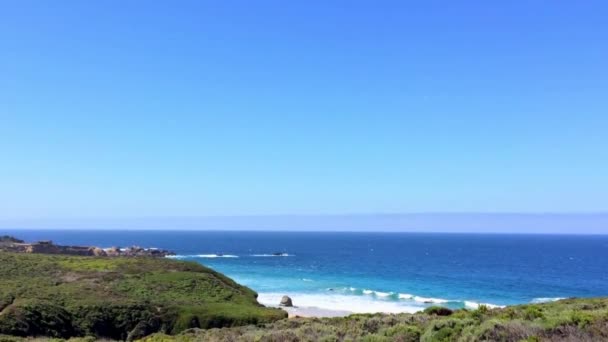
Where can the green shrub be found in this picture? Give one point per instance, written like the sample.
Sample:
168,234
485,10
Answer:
403,333
580,318
444,330
372,325
479,313
508,313
533,312
36,318
438,310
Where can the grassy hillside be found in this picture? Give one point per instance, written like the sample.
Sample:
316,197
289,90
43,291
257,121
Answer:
118,298
566,320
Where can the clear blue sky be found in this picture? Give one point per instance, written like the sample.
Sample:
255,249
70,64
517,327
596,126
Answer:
175,108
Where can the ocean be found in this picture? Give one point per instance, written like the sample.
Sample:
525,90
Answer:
380,272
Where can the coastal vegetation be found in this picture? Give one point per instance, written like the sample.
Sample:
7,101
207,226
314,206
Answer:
123,298
565,320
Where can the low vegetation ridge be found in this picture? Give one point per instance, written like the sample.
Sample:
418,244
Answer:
565,320
122,298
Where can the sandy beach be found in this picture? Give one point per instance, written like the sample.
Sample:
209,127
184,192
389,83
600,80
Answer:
296,311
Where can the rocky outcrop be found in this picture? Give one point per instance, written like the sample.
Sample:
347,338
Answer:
113,251
7,239
48,247
96,251
135,251
286,301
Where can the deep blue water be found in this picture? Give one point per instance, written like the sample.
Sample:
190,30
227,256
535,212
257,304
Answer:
381,271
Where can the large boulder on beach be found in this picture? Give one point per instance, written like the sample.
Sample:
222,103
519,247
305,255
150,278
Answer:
286,301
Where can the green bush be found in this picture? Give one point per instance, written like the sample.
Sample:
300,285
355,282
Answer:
438,310
444,330
580,318
533,312
404,333
483,309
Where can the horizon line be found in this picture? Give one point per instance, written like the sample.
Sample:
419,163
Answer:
583,223
307,231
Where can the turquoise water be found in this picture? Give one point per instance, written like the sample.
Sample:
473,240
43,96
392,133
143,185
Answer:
388,272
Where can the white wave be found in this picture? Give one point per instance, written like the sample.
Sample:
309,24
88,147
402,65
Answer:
341,302
476,305
372,292
307,280
176,256
202,256
216,256
350,299
546,299
380,294
426,300
273,255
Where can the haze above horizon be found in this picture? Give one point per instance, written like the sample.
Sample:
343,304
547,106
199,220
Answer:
149,109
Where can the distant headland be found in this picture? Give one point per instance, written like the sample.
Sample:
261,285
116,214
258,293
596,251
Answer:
12,244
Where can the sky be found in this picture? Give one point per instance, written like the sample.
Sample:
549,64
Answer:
127,109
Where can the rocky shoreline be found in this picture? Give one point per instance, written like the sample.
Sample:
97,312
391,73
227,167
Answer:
11,244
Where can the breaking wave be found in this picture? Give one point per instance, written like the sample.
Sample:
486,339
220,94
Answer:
418,300
202,256
475,305
340,303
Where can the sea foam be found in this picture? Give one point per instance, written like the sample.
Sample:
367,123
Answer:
202,256
341,302
406,298
475,305
429,300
